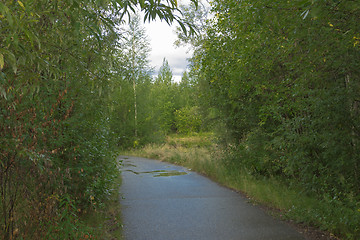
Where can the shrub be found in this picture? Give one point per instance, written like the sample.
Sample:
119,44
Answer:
187,120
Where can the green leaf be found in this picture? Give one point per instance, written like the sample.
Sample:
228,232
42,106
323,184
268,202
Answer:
3,9
1,61
183,27
12,60
142,3
32,37
3,92
6,12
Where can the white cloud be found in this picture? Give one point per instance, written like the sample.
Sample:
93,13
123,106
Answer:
162,38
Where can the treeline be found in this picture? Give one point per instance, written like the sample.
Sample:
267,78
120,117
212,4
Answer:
146,108
162,107
66,93
281,79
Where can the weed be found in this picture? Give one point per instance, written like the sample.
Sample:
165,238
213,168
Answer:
106,221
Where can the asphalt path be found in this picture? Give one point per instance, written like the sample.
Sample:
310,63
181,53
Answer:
161,201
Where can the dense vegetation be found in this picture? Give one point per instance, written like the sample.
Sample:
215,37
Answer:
282,81
64,74
276,81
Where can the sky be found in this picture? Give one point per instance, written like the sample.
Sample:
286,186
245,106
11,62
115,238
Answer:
162,38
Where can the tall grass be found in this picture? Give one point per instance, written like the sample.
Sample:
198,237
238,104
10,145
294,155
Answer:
201,154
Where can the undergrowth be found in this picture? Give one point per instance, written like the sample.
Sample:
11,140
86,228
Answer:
105,221
289,202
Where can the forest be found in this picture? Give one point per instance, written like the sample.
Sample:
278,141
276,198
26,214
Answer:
276,82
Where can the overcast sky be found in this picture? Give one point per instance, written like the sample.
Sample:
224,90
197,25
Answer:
162,38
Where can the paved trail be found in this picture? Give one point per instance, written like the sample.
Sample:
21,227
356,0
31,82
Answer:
162,201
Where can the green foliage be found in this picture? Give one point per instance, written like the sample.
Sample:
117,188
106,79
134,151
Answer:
67,224
59,110
160,103
132,73
282,81
187,120
174,103
165,74
105,222
163,94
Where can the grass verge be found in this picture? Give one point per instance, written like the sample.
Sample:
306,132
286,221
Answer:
316,219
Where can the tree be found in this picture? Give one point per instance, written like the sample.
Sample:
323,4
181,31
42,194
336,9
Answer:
198,15
282,79
55,101
187,120
165,74
135,51
163,95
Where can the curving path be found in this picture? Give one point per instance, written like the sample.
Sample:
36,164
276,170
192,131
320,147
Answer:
161,201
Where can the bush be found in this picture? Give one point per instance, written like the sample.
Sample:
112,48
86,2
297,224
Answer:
187,120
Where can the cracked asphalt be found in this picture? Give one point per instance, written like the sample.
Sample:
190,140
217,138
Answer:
161,201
